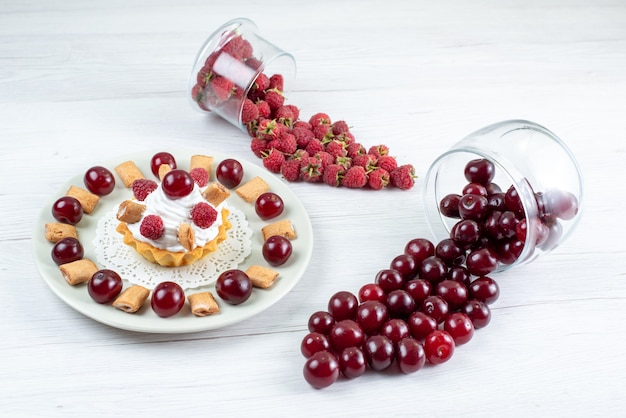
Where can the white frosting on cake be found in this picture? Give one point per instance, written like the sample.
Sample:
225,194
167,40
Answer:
173,212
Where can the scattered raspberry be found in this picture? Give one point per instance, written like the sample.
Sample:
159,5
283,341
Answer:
367,161
336,148
323,132
203,215
355,177
314,146
286,143
277,82
403,177
284,115
333,174
311,170
325,158
222,87
387,162
345,162
303,124
262,82
249,112
142,188
259,146
303,136
274,99
355,149
273,160
264,109
294,111
152,227
378,179
340,127
378,150
200,176
290,169
319,119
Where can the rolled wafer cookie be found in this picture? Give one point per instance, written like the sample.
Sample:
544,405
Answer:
203,304
79,271
131,299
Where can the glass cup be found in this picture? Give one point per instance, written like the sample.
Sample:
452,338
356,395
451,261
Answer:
227,67
540,182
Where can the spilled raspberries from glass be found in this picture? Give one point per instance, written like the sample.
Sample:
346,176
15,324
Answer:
298,149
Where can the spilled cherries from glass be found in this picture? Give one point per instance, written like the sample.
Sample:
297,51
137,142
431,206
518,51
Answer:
432,297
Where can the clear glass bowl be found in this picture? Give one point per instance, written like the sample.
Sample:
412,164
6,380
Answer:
228,65
527,157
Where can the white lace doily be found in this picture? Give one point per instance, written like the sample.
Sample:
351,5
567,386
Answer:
113,254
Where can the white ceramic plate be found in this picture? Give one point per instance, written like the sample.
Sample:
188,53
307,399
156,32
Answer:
145,320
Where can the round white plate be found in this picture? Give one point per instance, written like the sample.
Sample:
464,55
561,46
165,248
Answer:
145,320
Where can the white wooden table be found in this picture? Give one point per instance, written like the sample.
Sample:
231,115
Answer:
85,82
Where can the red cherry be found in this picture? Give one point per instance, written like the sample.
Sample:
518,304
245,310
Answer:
229,173
99,180
177,184
159,159
168,299
276,250
104,286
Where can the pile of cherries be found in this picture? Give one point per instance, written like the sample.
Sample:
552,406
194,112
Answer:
431,298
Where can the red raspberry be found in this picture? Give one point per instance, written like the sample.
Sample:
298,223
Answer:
354,149
300,155
346,137
246,49
326,158
287,143
142,188
262,82
290,170
259,146
277,82
367,161
340,127
336,148
323,132
333,174
200,176
403,177
270,129
294,111
378,179
378,150
319,118
233,46
152,227
264,109
204,76
355,177
273,160
274,99
203,215
302,124
222,87
254,63
314,146
311,170
387,162
249,112
284,115
345,162
303,135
